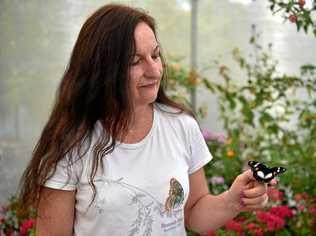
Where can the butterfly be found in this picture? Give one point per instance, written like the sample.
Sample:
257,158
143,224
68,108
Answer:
176,195
262,173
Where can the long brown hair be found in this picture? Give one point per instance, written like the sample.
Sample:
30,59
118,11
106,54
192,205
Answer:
94,88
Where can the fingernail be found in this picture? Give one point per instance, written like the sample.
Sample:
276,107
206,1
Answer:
242,203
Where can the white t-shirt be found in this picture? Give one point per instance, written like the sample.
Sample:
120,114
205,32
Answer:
144,186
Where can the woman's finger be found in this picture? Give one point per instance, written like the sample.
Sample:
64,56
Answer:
254,201
245,177
257,206
273,182
258,190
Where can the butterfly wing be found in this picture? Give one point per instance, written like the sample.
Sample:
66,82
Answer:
253,164
262,173
278,170
259,170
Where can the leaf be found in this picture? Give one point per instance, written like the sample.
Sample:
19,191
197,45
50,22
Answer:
307,67
298,25
231,100
273,129
208,85
305,28
252,39
246,110
265,118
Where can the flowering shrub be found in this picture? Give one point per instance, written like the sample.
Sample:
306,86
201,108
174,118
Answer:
181,82
284,216
297,12
266,120
14,222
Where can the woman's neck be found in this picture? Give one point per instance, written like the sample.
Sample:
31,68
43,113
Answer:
141,124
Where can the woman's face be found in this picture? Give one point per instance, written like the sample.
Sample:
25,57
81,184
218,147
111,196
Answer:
146,69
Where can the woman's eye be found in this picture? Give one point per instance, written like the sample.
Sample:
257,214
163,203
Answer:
136,62
155,56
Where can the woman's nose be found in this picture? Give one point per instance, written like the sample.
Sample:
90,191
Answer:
153,69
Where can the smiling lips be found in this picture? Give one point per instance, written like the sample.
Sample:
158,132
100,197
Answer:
149,84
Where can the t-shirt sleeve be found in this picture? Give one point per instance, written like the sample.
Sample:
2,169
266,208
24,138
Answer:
66,176
200,154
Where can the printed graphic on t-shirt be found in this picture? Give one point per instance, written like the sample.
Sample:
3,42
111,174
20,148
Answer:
176,196
148,207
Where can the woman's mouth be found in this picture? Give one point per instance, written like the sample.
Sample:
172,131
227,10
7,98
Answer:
151,84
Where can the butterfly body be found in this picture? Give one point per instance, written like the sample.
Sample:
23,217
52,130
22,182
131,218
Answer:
262,173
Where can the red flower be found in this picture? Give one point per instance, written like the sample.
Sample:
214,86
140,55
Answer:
259,232
211,234
312,210
282,211
26,226
301,3
273,222
255,229
293,18
251,226
234,226
298,197
1,220
241,219
305,196
9,232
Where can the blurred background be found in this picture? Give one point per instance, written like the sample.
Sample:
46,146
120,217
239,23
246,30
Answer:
36,39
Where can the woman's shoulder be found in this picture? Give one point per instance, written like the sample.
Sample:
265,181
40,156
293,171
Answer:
174,114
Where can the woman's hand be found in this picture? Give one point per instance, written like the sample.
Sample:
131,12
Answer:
248,194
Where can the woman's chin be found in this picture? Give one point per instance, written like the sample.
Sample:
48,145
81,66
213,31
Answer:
147,99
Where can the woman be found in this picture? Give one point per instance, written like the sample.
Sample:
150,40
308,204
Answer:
117,156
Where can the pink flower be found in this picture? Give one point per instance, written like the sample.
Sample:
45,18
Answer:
26,226
211,136
207,134
217,180
301,207
221,138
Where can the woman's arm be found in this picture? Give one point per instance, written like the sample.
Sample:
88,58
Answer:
205,212
55,213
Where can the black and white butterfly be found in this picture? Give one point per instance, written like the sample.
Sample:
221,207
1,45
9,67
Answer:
262,173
